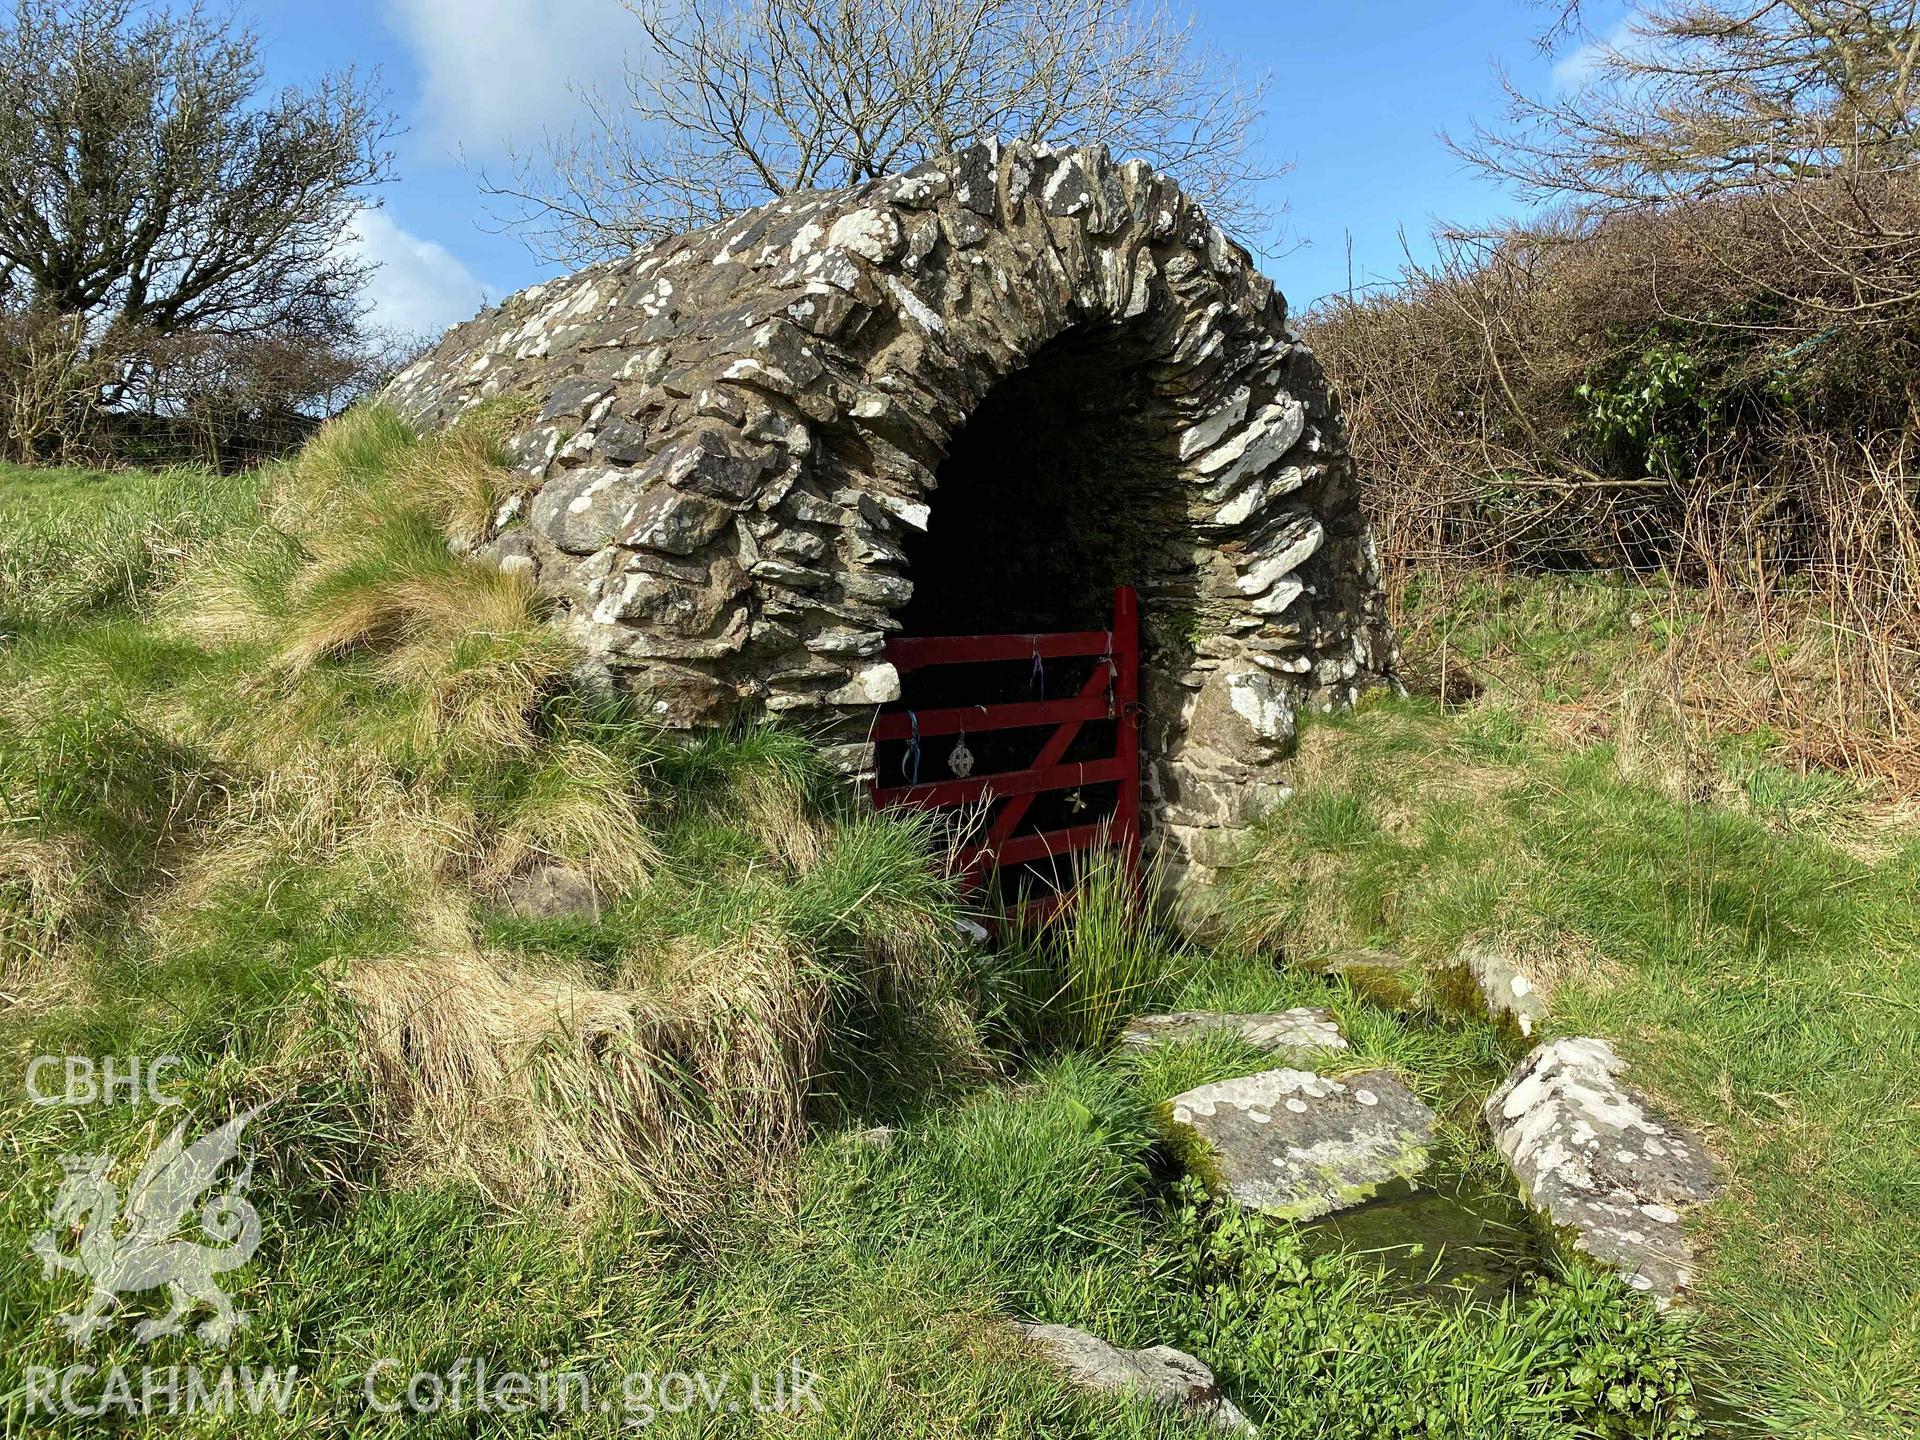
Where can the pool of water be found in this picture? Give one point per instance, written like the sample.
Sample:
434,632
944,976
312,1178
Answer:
1456,1240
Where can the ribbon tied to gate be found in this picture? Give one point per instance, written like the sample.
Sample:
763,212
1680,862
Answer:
910,762
1113,673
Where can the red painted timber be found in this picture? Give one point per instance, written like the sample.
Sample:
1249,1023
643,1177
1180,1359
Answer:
1033,847
914,652
1110,692
1015,810
977,719
1009,783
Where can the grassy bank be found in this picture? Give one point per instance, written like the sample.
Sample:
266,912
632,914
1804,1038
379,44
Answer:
1743,925
268,797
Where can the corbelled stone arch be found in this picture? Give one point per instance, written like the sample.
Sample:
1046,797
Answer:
738,436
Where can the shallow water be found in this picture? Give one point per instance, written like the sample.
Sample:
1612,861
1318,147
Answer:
1457,1240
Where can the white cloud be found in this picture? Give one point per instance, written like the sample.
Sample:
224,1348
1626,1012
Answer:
1577,67
494,71
420,287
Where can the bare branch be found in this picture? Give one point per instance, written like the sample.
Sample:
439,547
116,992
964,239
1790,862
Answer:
1712,97
734,103
144,186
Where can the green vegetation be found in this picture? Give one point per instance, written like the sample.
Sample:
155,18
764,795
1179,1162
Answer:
266,801
1760,978
79,543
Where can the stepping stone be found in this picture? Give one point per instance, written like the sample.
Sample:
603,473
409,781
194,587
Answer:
1601,1163
552,892
1381,976
1298,1145
1305,1031
1487,981
1162,1374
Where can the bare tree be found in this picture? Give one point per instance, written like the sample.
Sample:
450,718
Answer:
1802,116
738,101
1699,353
1696,98
146,185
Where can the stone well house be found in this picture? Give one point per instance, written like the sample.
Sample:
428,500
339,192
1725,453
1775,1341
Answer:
971,398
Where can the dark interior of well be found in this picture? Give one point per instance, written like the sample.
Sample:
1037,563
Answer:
1061,485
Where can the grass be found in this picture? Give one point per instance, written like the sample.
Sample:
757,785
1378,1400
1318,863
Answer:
1774,706
81,543
322,693
1758,971
266,798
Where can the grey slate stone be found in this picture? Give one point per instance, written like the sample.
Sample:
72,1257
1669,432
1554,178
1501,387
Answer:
1299,1145
1602,1164
1161,1374
583,511
1500,986
674,522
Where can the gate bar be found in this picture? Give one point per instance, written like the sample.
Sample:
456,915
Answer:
913,652
978,719
1004,783
1030,847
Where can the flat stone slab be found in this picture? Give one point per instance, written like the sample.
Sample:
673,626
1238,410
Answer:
1298,1145
1161,1374
1305,1030
552,892
1486,980
1602,1164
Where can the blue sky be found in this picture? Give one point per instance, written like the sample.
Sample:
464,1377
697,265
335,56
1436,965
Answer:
1359,95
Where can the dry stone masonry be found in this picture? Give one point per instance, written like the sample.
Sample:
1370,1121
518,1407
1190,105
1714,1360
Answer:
738,439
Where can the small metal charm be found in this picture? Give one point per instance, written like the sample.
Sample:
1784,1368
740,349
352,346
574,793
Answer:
1076,802
960,759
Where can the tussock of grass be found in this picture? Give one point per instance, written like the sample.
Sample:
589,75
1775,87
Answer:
79,543
39,895
510,1072
343,691
1080,975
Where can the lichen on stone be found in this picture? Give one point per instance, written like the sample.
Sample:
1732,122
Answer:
1609,1173
1298,1145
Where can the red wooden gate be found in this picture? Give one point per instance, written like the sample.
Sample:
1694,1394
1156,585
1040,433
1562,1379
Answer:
1109,694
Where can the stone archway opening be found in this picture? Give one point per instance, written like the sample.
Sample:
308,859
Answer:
969,399
1063,483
